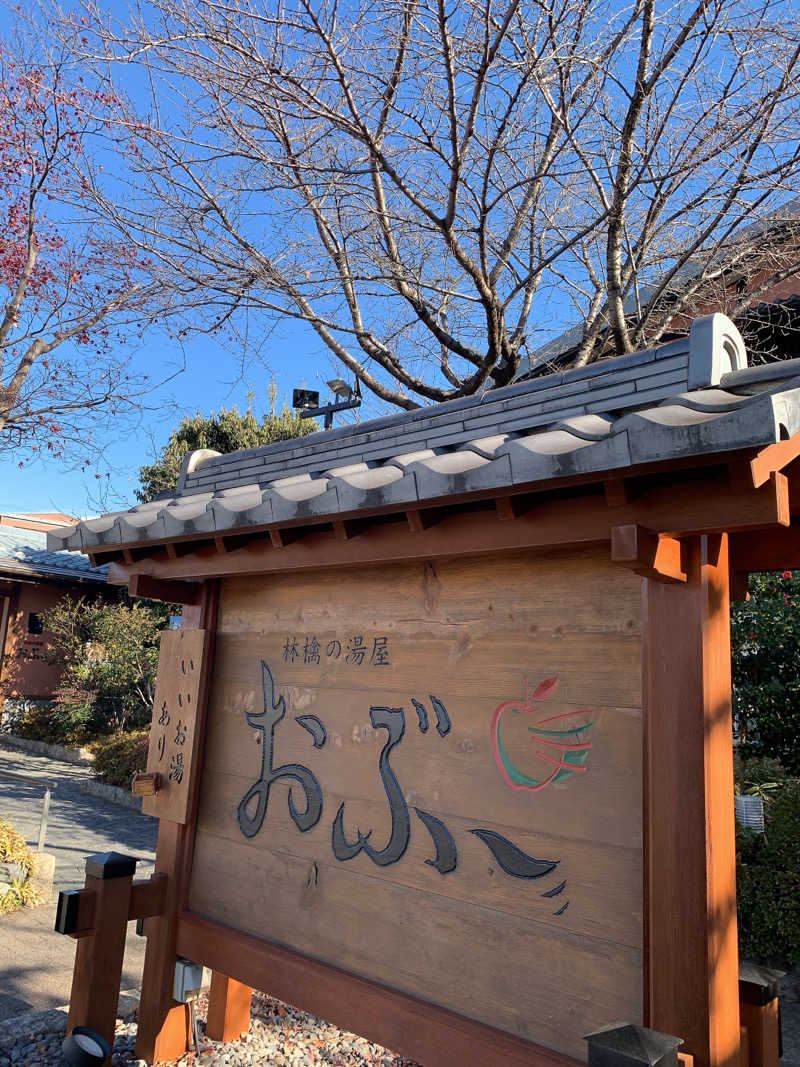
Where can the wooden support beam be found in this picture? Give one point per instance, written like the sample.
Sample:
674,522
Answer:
97,973
707,505
776,549
148,897
762,1029
691,958
422,1031
164,1030
75,912
228,1008
170,592
773,458
651,555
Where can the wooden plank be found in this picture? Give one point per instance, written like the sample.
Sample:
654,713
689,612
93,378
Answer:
164,1029
174,736
691,952
549,637
707,504
775,549
170,592
423,1032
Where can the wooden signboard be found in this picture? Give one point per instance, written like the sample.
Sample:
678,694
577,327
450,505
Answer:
174,739
429,775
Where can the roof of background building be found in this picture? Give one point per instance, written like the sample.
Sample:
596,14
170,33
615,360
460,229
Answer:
691,397
24,553
774,223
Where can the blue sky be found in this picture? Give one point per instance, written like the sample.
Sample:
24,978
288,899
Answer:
293,356
212,379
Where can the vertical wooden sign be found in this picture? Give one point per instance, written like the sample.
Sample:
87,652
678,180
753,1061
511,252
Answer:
174,739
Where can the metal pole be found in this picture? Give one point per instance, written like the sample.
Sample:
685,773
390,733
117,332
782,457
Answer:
43,821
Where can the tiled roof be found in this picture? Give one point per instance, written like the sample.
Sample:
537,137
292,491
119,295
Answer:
25,552
690,397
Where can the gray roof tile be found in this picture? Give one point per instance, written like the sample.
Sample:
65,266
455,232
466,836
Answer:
621,413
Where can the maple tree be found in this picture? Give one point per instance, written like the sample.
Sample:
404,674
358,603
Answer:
68,286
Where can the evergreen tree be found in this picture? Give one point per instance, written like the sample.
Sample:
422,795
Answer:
226,430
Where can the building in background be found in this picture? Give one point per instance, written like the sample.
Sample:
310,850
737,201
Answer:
31,581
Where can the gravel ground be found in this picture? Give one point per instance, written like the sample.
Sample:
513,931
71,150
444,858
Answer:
279,1036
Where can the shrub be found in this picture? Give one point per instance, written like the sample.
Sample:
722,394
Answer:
765,640
768,880
108,653
119,757
14,850
63,721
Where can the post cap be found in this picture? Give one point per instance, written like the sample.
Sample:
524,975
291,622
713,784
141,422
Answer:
624,1044
758,985
110,865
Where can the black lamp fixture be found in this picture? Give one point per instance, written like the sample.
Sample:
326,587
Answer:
83,1047
306,401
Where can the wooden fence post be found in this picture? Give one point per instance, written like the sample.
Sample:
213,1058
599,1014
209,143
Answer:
98,956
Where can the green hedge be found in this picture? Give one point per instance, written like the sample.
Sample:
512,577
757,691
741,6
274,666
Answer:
768,880
118,757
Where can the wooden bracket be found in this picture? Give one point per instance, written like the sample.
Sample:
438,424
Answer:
420,519
513,507
652,555
163,589
281,536
344,529
771,459
75,913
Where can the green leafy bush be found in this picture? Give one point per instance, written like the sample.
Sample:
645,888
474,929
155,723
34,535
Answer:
768,879
14,850
63,721
119,757
765,638
109,656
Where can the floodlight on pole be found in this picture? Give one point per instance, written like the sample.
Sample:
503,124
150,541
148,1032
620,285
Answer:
306,402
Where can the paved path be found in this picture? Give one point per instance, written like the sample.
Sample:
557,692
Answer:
35,962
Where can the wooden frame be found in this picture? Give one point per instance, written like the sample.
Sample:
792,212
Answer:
687,534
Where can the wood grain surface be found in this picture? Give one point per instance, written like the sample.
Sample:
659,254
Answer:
172,751
471,635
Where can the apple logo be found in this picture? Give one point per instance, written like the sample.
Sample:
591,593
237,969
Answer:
559,746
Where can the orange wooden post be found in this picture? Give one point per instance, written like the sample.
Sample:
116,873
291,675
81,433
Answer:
228,1008
98,956
691,955
758,1007
164,1030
